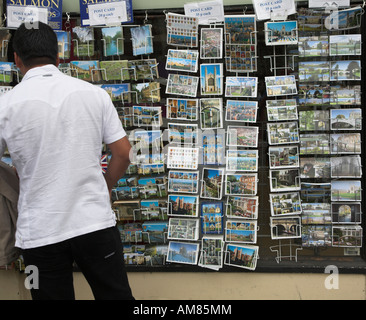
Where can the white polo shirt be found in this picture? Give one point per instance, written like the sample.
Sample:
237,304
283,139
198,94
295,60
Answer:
54,126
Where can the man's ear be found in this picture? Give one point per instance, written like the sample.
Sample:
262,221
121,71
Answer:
18,61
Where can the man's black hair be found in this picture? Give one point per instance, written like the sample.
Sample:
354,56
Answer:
36,44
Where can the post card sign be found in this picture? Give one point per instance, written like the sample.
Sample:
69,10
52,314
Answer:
84,11
270,9
107,13
207,12
47,11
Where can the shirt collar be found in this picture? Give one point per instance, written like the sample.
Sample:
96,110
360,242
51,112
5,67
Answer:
40,71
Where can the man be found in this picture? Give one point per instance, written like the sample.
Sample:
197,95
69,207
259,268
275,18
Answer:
53,126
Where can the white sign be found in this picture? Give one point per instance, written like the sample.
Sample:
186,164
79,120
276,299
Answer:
29,15
271,9
207,12
330,3
107,13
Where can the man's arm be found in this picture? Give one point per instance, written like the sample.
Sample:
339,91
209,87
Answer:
119,162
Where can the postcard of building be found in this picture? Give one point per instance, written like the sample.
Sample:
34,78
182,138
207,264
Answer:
155,209
64,44
242,207
281,85
315,192
211,113
347,236
345,143
241,87
212,252
112,39
127,210
346,190
284,180
282,113
183,158
212,217
183,181
211,79
283,157
316,94
315,167
242,160
148,92
281,33
115,70
348,18
82,69
314,120
240,29
240,58
213,147
181,30
145,116
283,132
345,95
281,103
314,144
182,134
345,119
142,40
211,43
131,232
345,70
152,187
346,167
183,229
241,111
125,193
144,69
316,213
182,109
183,252
155,254
316,236
285,203
84,41
155,231
241,256
243,136
182,85
285,228
346,44
212,183
146,139
346,212
314,46
182,60
118,91
312,71
183,205
241,231
241,184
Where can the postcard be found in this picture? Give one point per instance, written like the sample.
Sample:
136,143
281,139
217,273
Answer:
147,92
183,229
118,92
155,209
283,132
183,252
316,236
346,212
127,210
285,228
280,86
314,144
281,33
314,46
182,85
144,69
64,44
315,167
241,184
212,252
345,95
155,254
114,70
346,44
240,29
154,232
241,87
183,158
346,190
243,136
152,187
182,109
113,41
213,147
315,192
212,183
345,143
131,232
348,18
285,203
182,60
314,71
212,217
241,231
211,79
5,36
242,160
85,70
283,157
182,205
345,119
241,58
142,40
345,70
316,213
182,134
282,113
346,167
241,256
242,207
241,111
211,43
181,30
314,120
143,139
316,94
211,111
144,116
183,181
284,180
84,41
347,236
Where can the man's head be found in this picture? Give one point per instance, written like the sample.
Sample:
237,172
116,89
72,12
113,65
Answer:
35,46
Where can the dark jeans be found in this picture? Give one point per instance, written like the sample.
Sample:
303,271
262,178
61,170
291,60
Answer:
99,255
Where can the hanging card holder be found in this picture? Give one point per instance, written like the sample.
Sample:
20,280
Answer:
291,254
